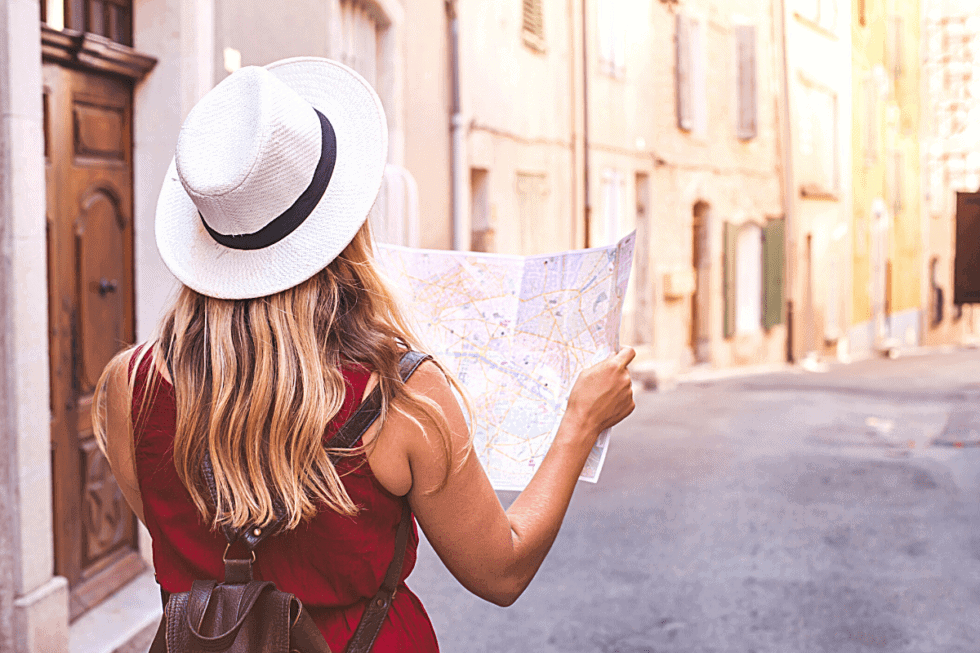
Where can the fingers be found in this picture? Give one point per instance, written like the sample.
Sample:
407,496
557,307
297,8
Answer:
625,356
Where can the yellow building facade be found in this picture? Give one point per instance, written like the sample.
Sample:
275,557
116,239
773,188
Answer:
886,310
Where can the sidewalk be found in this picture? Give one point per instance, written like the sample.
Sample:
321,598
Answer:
650,374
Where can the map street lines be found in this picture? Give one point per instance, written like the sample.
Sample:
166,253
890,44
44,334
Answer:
516,331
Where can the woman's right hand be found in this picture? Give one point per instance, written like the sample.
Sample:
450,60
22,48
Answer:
494,553
602,395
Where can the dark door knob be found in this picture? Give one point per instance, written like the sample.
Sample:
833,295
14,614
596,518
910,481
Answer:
107,286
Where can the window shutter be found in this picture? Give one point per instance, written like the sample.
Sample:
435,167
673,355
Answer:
731,238
533,19
685,112
746,93
697,38
773,269
532,24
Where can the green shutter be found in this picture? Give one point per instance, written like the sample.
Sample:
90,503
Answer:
773,270
731,235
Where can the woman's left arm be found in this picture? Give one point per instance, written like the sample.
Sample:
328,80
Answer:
117,421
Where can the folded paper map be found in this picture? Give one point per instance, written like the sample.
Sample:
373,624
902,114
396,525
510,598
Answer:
516,331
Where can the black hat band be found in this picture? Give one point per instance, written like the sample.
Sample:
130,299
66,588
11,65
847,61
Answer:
290,219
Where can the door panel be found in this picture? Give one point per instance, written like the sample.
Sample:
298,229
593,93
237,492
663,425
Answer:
966,263
90,273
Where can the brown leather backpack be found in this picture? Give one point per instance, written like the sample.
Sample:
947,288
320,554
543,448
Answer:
243,615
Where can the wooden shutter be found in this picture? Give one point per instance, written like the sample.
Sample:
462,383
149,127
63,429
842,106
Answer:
746,127
533,24
773,269
112,19
697,38
966,265
685,108
731,238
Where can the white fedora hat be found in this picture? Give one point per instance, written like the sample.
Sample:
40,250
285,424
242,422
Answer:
275,171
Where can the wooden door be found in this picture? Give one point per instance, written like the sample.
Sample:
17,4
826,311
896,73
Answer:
88,148
966,262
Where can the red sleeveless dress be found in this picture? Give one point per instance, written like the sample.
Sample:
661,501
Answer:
333,564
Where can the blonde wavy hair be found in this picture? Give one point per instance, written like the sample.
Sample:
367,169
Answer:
257,381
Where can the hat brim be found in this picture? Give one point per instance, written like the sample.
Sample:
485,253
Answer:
212,269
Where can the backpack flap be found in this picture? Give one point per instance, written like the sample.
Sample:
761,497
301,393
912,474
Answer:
214,618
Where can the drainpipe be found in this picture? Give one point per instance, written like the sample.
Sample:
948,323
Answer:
789,189
461,226
585,123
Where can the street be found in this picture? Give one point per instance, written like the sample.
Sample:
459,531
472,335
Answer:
785,512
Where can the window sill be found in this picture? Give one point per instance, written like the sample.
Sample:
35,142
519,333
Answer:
534,42
817,27
817,193
612,71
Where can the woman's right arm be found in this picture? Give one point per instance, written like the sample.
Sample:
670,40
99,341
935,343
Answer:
492,552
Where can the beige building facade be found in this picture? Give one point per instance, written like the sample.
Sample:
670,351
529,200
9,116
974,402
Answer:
816,175
886,304
93,96
951,159
717,129
583,121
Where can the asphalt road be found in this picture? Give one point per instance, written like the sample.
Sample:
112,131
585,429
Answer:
787,512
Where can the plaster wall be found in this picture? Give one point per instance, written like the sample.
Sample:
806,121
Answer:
180,34
635,129
951,161
522,109
428,100
33,602
886,158
518,109
819,236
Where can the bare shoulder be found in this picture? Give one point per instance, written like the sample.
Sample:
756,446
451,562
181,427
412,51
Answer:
429,379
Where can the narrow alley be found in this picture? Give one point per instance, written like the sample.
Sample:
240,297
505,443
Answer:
784,512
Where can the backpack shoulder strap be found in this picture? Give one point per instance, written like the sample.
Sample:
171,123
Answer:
370,409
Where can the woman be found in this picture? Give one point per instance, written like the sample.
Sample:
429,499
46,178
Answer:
281,327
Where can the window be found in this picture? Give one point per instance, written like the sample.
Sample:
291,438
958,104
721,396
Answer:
613,193
869,91
482,232
895,178
360,28
753,275
822,13
748,279
532,197
612,38
894,46
532,25
691,74
395,214
745,98
819,167
112,19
